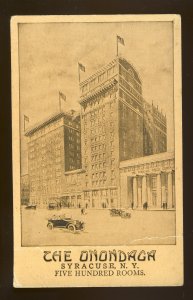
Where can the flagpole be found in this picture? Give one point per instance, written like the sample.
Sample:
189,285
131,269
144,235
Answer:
59,103
24,123
117,47
78,72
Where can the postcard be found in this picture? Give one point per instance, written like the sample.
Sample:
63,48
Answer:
97,150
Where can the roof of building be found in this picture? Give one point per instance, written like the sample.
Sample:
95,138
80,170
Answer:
99,71
49,120
98,90
127,65
147,159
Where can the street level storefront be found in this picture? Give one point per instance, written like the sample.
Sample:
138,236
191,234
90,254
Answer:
101,198
72,200
148,182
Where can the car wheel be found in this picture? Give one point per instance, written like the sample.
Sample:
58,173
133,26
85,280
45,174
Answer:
71,227
50,226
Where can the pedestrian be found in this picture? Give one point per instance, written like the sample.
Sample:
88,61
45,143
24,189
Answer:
145,205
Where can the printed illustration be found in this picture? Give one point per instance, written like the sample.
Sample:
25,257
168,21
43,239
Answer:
97,133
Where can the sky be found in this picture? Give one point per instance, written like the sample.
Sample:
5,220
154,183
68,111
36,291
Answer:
48,63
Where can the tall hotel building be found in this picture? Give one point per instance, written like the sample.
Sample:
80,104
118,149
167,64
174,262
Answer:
97,159
114,129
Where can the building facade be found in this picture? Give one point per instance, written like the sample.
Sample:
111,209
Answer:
100,137
87,159
25,189
117,124
54,147
154,130
148,182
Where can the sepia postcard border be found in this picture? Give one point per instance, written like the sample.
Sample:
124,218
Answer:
177,104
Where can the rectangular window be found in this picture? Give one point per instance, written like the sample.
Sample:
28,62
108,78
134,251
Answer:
101,77
154,182
92,83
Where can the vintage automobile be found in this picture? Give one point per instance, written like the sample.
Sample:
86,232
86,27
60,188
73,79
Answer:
30,206
119,212
114,212
65,222
125,214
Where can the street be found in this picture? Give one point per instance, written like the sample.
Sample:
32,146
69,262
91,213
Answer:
143,228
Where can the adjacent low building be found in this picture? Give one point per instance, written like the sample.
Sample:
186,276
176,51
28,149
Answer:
54,147
148,182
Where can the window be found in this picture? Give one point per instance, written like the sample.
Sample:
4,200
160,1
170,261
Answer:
101,77
154,182
92,83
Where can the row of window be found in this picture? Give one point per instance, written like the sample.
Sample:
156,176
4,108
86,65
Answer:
74,178
99,111
102,77
160,125
113,193
159,114
73,138
98,102
47,129
130,89
98,166
74,132
98,182
102,174
72,124
128,76
130,101
102,165
99,175
72,146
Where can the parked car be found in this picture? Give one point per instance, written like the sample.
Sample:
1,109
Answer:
30,206
125,214
53,205
65,222
119,212
115,212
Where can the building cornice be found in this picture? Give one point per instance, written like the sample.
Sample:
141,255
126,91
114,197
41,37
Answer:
100,90
49,120
74,172
100,71
147,159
